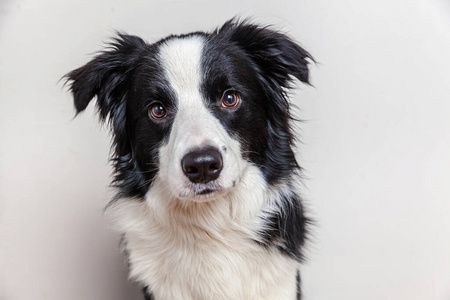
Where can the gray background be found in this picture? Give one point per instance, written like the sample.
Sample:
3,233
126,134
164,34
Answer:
375,144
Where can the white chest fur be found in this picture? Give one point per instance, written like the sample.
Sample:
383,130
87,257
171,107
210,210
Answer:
205,250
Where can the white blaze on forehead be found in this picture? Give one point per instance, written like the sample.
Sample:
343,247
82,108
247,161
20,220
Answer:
181,59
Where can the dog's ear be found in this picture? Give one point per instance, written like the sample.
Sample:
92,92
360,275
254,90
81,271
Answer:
106,75
278,58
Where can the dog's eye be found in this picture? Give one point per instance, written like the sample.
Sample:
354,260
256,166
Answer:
230,99
157,111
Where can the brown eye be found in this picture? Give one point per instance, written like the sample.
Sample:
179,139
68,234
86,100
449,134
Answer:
157,111
230,99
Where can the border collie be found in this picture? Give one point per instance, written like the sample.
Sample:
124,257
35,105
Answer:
206,175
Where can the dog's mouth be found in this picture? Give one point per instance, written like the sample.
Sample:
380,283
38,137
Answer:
207,195
203,193
206,192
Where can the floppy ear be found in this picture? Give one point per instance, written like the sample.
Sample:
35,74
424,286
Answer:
108,76
276,55
277,61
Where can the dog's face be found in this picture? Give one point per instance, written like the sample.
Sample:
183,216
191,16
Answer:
204,118
195,111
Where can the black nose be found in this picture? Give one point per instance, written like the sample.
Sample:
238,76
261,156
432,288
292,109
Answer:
202,165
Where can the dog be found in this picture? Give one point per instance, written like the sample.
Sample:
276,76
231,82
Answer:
203,154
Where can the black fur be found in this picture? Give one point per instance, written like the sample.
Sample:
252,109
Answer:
257,61
262,63
286,228
299,289
147,294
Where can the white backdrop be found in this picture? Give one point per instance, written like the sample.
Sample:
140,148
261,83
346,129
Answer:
375,144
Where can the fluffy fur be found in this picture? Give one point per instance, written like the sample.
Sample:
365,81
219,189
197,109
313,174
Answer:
238,235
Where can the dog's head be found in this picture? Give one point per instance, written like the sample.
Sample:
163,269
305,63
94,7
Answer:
194,111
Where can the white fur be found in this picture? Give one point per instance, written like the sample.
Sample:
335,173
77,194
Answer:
185,246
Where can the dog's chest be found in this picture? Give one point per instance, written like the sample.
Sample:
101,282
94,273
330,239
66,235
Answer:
194,262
